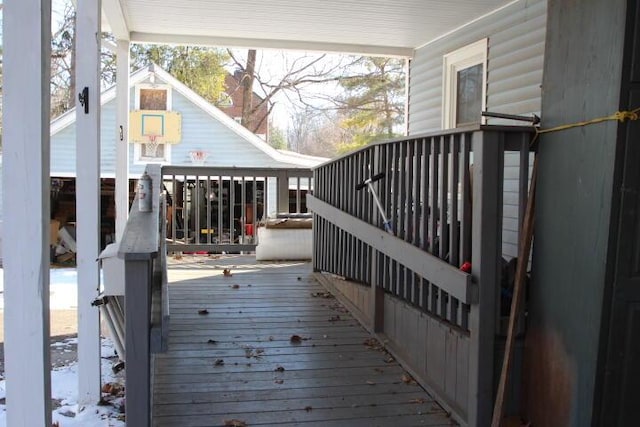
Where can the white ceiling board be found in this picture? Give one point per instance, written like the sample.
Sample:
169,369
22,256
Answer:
361,26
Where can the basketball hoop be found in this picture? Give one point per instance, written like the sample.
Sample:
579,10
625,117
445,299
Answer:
151,145
198,157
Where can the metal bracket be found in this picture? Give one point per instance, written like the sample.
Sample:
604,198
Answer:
534,120
83,98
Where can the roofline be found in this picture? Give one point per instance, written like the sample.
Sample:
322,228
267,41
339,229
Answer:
216,113
275,44
68,118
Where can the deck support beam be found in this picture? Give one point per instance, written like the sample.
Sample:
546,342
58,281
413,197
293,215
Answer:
88,43
26,145
122,136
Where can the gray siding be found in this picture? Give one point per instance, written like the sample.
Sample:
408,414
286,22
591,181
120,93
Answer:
514,75
200,131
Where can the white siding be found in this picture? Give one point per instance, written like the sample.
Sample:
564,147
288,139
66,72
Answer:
515,60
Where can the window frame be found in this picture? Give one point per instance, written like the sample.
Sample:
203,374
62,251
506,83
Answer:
453,62
137,147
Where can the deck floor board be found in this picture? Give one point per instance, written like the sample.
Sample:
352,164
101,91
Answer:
333,377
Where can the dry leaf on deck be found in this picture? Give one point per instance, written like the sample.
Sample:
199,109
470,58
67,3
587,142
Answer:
218,362
234,423
296,339
279,381
212,342
235,286
371,382
418,400
308,408
389,360
226,272
279,369
406,378
203,311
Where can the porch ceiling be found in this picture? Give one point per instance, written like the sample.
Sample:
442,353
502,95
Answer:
382,27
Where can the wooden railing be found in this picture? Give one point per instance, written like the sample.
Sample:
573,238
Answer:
443,194
217,209
146,302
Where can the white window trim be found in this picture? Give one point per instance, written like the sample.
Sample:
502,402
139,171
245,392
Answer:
137,147
468,56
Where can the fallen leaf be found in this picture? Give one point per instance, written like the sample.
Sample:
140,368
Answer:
279,369
380,370
203,311
371,382
299,278
325,294
308,408
406,378
177,256
271,338
234,423
389,360
226,272
279,381
296,339
235,286
212,342
218,362
418,400
334,318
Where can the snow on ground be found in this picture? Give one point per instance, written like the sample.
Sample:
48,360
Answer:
64,391
64,380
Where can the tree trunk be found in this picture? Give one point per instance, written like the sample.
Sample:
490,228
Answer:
72,69
247,88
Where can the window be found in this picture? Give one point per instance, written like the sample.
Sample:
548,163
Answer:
464,85
152,97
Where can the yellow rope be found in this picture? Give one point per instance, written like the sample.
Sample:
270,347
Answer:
619,116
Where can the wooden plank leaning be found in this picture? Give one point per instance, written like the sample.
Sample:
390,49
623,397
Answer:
524,251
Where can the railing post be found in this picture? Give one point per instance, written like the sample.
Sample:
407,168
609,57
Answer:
486,245
137,315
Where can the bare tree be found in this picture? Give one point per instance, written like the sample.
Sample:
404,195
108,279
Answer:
299,72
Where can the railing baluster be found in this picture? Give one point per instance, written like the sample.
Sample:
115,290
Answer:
208,200
185,211
433,214
220,208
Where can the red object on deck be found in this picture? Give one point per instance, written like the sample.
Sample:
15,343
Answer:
248,229
466,267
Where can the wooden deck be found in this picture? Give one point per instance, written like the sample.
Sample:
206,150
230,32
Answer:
238,361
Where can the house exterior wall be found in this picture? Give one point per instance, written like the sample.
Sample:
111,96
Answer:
516,36
200,131
234,90
583,69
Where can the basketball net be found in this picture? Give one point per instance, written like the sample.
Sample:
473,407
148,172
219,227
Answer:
152,146
198,157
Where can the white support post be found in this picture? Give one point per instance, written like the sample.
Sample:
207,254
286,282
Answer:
122,137
26,69
88,198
